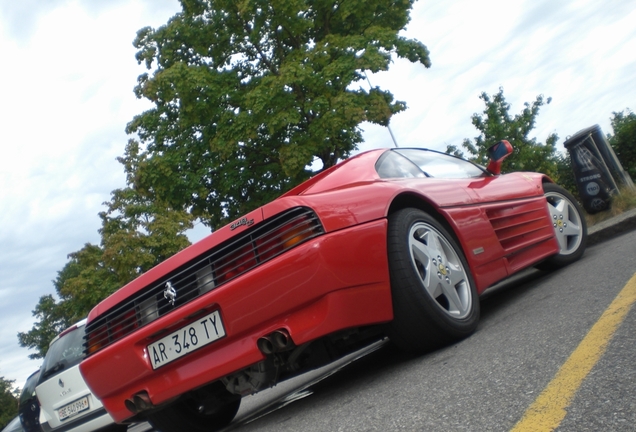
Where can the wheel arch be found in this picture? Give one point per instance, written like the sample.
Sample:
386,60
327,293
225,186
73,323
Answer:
545,179
411,200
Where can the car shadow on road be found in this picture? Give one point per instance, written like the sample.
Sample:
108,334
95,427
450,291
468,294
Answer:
364,368
509,291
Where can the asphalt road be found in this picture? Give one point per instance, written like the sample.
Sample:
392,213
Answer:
529,328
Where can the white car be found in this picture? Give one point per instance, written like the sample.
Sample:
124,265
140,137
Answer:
66,403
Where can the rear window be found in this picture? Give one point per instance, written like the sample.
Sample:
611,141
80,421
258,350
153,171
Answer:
64,353
29,388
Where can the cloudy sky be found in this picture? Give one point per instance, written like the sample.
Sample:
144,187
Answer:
68,70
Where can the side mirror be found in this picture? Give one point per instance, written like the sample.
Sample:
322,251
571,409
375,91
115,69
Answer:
497,154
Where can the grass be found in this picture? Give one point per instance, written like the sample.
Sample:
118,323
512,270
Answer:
622,202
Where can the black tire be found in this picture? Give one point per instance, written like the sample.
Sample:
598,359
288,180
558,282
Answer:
434,296
185,415
569,225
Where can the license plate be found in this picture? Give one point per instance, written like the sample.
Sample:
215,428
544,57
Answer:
73,408
185,340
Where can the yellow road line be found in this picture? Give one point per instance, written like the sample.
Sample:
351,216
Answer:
549,409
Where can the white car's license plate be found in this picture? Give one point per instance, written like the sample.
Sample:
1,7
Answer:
189,338
73,408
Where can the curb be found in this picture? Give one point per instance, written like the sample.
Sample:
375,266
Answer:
611,228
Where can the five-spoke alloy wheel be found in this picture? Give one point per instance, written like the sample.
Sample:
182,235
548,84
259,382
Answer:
434,296
569,225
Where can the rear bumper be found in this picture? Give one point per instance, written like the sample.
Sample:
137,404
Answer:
337,281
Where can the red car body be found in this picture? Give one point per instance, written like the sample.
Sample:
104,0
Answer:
334,278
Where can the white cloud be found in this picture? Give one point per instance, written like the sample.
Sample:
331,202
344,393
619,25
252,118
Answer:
67,96
68,72
579,53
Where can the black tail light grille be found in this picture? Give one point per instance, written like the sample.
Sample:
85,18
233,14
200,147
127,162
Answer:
207,272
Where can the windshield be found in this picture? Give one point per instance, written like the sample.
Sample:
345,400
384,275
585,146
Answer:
403,163
64,353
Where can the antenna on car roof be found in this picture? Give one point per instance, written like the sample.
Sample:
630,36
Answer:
387,126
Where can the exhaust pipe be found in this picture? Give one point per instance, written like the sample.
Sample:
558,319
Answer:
139,403
278,340
281,340
265,345
130,406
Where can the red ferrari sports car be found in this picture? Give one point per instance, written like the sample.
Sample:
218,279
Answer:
392,242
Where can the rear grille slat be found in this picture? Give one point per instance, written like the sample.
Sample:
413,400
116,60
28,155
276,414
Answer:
207,272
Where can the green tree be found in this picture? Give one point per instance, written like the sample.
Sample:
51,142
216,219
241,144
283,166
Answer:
624,140
8,401
51,319
247,94
496,124
137,234
565,174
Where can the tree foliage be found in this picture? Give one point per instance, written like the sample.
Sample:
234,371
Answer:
136,235
247,94
624,140
565,174
496,123
51,318
8,401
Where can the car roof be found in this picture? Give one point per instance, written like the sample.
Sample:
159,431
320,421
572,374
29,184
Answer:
360,167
